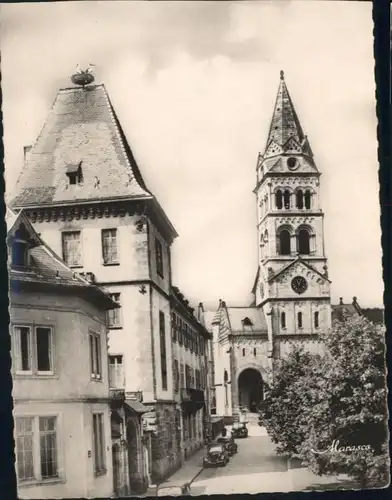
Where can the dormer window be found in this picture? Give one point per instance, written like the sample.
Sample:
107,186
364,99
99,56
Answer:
247,322
74,173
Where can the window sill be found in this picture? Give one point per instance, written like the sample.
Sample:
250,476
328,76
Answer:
100,473
76,266
94,379
36,376
39,482
108,264
117,327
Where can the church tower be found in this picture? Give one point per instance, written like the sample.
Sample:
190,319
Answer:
292,286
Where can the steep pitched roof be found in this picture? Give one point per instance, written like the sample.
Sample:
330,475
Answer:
81,128
285,122
285,134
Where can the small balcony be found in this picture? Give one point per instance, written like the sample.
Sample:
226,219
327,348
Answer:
192,400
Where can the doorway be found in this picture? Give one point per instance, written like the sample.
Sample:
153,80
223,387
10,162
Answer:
250,389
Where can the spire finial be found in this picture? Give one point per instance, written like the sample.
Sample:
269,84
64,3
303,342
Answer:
281,74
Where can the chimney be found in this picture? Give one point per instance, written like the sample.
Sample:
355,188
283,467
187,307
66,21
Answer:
341,301
26,152
200,313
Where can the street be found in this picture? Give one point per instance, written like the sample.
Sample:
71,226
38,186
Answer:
256,468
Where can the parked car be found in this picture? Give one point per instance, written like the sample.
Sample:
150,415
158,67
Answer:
230,444
239,430
216,455
173,489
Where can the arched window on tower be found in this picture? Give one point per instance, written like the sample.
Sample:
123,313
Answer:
299,319
279,199
303,242
284,242
300,199
286,199
225,377
243,351
308,198
283,320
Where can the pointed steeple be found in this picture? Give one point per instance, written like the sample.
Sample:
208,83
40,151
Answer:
285,130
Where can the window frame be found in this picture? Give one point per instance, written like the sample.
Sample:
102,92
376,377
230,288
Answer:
174,326
33,347
95,364
51,350
63,234
113,262
116,365
20,243
283,323
159,258
316,319
17,351
163,350
102,470
36,450
118,311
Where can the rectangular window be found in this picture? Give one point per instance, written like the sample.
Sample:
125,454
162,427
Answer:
116,372
99,443
72,248
109,246
283,319
36,448
191,339
187,376
198,384
19,254
22,338
114,315
44,349
162,335
95,356
186,339
159,257
176,376
197,343
24,448
174,327
182,375
180,335
316,319
202,346
48,447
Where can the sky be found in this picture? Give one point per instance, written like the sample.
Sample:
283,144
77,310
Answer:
194,85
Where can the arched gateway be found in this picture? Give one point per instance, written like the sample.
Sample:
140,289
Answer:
250,389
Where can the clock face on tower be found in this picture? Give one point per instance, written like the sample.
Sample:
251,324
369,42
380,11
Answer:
299,284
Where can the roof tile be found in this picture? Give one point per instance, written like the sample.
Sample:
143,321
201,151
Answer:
81,127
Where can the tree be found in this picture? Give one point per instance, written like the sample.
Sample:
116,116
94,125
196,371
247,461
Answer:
282,412
348,416
331,410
